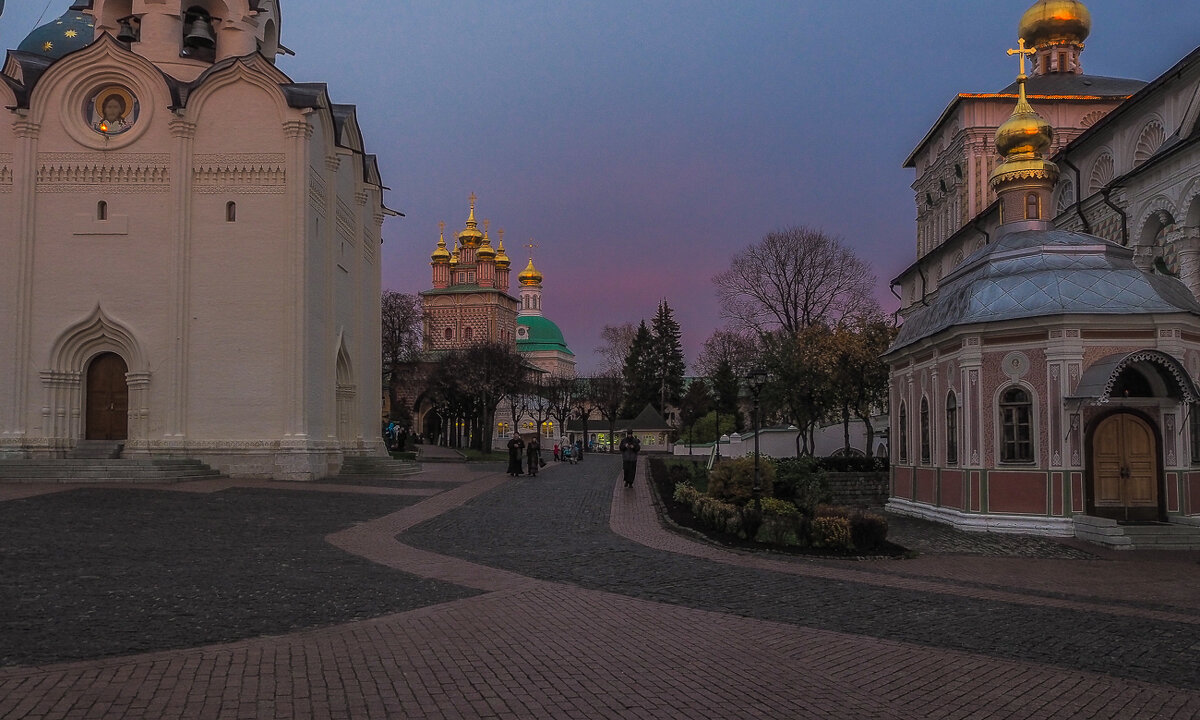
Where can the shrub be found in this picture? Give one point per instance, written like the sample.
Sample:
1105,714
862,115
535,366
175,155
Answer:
852,463
685,494
733,480
831,532
833,511
867,530
715,514
798,480
781,522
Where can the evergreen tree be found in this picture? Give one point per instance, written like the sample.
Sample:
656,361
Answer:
726,387
667,364
641,385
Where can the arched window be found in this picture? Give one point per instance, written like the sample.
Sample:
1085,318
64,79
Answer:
902,445
101,210
1032,207
230,212
926,449
951,429
1016,422
467,333
449,333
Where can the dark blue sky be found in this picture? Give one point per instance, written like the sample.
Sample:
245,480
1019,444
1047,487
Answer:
641,144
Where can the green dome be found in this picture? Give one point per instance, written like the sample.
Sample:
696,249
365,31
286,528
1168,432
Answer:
70,32
540,334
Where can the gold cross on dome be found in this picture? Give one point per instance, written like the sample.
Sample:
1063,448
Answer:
531,245
442,228
472,198
1023,52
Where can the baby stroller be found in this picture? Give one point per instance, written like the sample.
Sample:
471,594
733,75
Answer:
569,454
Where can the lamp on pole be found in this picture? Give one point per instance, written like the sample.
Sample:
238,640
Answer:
755,381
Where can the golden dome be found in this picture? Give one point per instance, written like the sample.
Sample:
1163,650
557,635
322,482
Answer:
1051,22
502,260
470,236
1026,134
454,258
441,255
530,277
485,251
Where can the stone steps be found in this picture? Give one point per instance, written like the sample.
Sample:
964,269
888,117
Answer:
377,467
77,470
97,450
1153,536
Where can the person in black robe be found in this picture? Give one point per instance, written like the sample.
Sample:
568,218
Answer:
629,448
515,446
533,456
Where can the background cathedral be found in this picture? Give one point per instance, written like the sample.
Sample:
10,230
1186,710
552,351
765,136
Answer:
190,252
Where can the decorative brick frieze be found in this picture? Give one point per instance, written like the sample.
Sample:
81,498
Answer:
121,173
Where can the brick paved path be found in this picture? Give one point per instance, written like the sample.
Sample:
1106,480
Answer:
589,609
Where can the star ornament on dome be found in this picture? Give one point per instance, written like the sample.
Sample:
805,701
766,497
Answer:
71,33
47,46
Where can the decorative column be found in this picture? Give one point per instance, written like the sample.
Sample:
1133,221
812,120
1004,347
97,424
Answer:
298,134
25,185
184,133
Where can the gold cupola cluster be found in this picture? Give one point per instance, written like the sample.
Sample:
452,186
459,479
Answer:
473,261
530,277
1055,22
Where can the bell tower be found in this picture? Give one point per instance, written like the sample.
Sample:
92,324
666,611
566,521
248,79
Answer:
185,37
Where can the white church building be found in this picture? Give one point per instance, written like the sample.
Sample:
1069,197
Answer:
190,245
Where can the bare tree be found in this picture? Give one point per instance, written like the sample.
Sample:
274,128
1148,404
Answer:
739,348
617,341
792,279
401,343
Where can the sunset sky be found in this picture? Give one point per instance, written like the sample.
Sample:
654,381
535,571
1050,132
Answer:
640,144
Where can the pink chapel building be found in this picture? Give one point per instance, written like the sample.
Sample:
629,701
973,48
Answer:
190,245
1043,378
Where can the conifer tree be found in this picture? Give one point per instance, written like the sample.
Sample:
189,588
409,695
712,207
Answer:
641,384
667,357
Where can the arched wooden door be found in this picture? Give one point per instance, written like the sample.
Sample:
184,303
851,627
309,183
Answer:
1125,469
106,406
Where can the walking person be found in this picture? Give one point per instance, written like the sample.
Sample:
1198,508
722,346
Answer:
533,456
630,447
556,456
515,447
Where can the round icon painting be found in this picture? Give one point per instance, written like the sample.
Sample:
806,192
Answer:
112,110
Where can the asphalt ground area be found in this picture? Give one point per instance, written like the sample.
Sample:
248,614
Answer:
90,573
556,528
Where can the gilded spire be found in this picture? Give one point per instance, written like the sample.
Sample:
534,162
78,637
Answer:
1024,138
441,254
470,236
502,260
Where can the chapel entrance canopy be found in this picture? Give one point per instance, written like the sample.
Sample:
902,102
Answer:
1143,373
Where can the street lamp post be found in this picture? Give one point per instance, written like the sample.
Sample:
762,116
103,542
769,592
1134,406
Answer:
756,380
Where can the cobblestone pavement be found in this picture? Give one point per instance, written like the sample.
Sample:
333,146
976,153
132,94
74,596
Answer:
563,596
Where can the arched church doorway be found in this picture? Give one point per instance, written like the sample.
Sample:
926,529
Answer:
106,403
432,427
1125,469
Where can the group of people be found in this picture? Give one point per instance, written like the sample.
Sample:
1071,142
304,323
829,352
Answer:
531,453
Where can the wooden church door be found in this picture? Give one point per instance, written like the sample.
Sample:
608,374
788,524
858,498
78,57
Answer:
107,402
1125,469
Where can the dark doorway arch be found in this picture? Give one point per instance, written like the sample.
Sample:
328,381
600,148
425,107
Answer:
106,403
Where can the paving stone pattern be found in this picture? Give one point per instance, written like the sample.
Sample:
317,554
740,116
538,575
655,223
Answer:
132,571
557,529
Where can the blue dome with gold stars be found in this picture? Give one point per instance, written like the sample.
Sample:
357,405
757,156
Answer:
70,32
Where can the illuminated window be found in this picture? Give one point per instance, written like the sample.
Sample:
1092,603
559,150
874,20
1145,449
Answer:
1016,418
951,429
101,210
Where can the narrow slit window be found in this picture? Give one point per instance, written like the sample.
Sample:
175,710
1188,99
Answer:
1032,207
101,210
230,212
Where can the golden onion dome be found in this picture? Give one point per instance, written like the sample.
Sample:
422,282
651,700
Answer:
530,277
470,235
454,258
441,254
485,251
502,260
1052,22
1026,134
